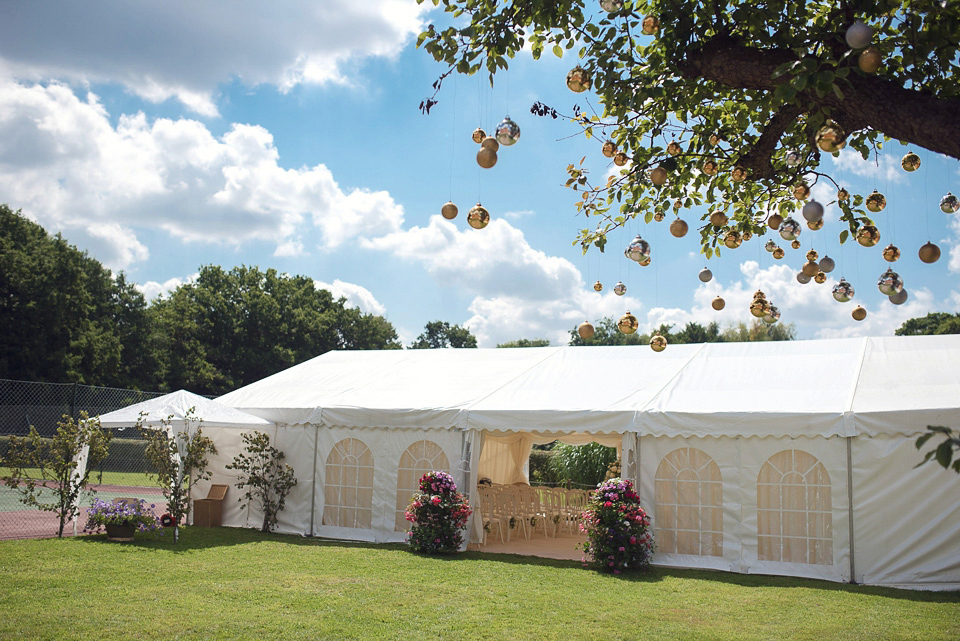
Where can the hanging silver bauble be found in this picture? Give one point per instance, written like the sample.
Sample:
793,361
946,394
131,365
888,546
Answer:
705,275
478,217
585,330
657,342
578,79
843,291
789,229
858,35
449,211
949,204
910,162
638,250
628,323
827,265
831,137
611,5
770,245
619,289
793,158
890,283
899,298
802,278
929,253
771,316
508,132
812,211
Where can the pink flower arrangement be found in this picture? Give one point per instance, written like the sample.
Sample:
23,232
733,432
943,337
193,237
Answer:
617,528
439,514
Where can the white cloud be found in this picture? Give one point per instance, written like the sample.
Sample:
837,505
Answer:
517,215
356,295
290,249
884,167
68,167
152,289
154,48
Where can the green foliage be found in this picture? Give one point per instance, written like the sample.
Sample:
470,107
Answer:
542,471
582,466
735,82
264,477
943,454
36,463
932,323
440,334
607,333
526,342
759,331
178,459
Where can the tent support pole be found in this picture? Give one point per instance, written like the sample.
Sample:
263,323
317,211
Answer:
313,494
853,575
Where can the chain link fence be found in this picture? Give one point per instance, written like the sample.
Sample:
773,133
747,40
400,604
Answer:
124,473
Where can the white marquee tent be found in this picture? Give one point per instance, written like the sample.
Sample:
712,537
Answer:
792,458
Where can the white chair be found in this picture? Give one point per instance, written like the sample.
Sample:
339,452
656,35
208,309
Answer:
488,514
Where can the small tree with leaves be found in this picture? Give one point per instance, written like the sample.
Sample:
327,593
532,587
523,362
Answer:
944,452
178,460
46,471
264,477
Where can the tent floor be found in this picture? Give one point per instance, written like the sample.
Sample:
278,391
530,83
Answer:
563,546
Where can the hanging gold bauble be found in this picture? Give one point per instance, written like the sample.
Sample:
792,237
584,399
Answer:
891,253
739,174
650,25
478,217
870,60
778,253
710,167
714,140
718,219
732,240
658,176
609,149
490,143
578,80
831,137
795,244
859,313
628,323
929,253
657,342
759,308
801,191
620,159
910,162
677,204
774,221
674,148
449,211
718,303
759,295
659,216
598,286
820,278
486,157
843,195
478,135
812,255
815,225
875,202
679,228
585,330
868,236
899,298
811,268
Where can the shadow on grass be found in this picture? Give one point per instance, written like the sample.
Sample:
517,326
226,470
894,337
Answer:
194,538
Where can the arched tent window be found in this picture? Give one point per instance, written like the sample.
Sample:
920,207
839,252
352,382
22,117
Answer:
688,503
794,513
348,490
417,460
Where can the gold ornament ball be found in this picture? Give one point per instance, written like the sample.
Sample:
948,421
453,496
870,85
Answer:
628,323
778,253
644,262
759,295
774,221
929,253
609,149
732,240
710,167
747,235
831,137
801,191
718,303
650,25
658,343
891,253
585,330
811,268
759,307
449,211
486,157
578,80
620,159
478,217
843,195
679,228
820,278
658,176
674,148
490,143
677,204
478,135
739,174
812,255
795,244
868,236
910,162
875,202
598,286
659,216
859,313
870,60
714,140
718,219
815,225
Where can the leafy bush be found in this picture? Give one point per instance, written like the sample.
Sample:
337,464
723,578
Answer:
439,514
618,530
582,465
542,470
264,476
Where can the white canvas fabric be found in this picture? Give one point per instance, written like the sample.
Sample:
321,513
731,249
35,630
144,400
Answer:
174,407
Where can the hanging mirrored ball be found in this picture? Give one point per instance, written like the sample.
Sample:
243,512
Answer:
508,132
628,323
705,275
949,204
478,135
843,291
578,80
478,217
638,250
929,253
875,202
789,229
910,162
619,289
890,283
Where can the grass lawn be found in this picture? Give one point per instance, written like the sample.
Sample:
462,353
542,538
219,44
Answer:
229,583
131,479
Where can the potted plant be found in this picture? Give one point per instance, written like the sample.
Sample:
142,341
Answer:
439,515
121,519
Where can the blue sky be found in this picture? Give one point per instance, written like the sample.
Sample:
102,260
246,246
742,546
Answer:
165,136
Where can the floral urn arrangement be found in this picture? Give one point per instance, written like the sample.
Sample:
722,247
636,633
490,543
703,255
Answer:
439,515
618,530
121,519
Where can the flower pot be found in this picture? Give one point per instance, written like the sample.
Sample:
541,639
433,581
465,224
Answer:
120,532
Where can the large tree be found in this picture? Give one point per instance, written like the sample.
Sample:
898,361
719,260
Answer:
932,323
440,334
746,85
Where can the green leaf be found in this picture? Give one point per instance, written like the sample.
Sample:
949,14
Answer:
558,51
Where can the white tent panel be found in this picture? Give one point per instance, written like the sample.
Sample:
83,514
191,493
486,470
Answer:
174,407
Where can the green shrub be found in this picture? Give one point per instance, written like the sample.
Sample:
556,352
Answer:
583,466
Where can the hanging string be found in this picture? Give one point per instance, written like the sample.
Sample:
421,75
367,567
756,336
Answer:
453,134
